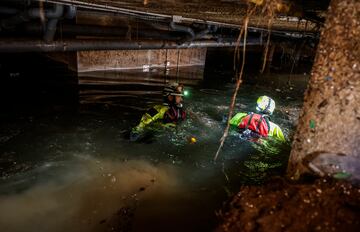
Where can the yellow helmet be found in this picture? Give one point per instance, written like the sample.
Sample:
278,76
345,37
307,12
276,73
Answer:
265,105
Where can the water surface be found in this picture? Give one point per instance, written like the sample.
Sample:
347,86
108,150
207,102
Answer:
69,165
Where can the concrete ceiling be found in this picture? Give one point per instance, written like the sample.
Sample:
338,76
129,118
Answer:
181,22
227,11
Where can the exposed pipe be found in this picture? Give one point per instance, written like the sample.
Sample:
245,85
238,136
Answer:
191,34
164,17
52,16
27,15
50,30
135,13
204,32
180,28
55,13
158,17
87,45
107,8
70,12
89,30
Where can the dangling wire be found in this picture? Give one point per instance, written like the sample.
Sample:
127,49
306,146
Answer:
42,13
238,82
177,66
267,46
269,7
166,67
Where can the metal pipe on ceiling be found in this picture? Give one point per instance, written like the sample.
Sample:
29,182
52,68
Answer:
188,30
158,17
168,18
52,16
87,45
98,31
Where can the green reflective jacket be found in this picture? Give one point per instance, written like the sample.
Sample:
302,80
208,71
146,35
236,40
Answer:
274,130
153,118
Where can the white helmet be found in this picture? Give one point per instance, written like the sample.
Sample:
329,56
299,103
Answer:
265,105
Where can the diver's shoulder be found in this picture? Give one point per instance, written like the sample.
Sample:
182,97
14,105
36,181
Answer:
161,107
156,109
274,125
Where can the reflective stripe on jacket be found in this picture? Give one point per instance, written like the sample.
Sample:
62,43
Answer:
165,115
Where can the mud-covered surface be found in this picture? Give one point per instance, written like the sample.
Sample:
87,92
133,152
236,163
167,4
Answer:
325,205
330,120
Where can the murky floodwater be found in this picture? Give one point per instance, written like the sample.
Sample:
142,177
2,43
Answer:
76,170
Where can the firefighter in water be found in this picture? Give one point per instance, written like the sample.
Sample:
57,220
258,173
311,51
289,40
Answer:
254,126
169,114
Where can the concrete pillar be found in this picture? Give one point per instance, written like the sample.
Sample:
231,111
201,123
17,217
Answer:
327,139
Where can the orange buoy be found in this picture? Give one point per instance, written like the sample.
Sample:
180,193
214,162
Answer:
192,140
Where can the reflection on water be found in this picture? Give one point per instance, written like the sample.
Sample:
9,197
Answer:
77,170
82,193
138,88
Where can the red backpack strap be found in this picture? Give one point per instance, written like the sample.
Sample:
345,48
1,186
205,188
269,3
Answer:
258,124
267,120
249,121
261,125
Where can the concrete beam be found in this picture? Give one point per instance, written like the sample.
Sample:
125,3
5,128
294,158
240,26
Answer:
140,59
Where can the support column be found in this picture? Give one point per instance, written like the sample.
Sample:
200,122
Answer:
329,125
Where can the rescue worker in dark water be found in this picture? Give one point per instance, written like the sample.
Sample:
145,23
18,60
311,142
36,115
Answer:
169,114
254,126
